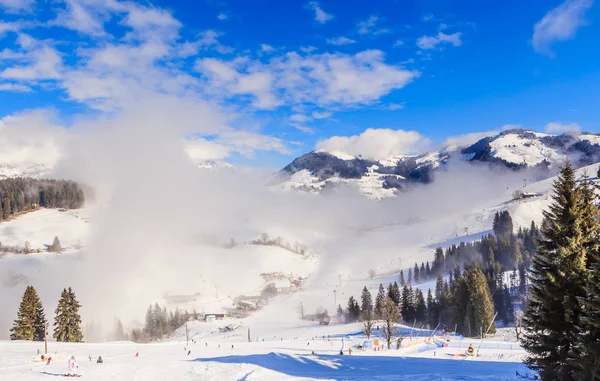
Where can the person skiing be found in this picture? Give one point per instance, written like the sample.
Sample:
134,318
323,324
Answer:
72,366
99,361
471,350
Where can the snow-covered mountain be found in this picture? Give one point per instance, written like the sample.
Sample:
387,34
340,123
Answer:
524,148
319,170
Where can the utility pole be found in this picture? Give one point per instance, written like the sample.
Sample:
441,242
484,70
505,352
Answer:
186,333
46,337
249,334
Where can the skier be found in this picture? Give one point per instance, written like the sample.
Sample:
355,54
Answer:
471,350
99,361
72,367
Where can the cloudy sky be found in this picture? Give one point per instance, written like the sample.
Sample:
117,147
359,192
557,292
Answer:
285,77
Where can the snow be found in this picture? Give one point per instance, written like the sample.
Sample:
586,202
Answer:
516,149
593,139
41,226
339,154
286,355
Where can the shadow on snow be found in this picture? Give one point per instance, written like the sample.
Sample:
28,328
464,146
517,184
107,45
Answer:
375,367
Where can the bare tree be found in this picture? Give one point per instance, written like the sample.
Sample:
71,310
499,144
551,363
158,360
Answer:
367,318
372,273
390,314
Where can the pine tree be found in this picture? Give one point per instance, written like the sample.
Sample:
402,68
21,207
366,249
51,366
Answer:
29,324
402,282
340,311
428,270
438,262
67,322
423,272
366,301
420,307
481,301
431,310
119,331
395,295
558,280
379,300
416,274
55,247
590,337
352,311
410,276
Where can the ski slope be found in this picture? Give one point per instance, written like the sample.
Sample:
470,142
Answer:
229,357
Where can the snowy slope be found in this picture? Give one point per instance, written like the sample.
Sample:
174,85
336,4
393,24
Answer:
41,226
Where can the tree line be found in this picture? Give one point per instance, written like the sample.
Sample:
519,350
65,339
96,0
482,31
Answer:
158,323
562,316
24,194
31,319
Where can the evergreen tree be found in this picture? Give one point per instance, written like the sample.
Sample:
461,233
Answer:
423,272
558,279
67,322
379,300
402,282
352,311
416,273
119,331
366,301
590,337
395,295
481,301
420,307
55,247
340,311
438,261
431,310
29,324
410,276
428,270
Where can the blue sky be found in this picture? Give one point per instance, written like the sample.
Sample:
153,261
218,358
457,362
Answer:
289,74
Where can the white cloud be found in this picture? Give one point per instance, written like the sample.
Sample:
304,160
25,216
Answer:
320,15
31,138
340,41
559,128
428,17
14,87
6,27
431,42
376,144
398,43
369,26
43,63
462,141
307,49
317,79
246,142
225,76
265,48
300,118
77,16
222,16
560,24
202,149
16,6
321,114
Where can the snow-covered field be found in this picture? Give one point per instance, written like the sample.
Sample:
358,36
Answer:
283,354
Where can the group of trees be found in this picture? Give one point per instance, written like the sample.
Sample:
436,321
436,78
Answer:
417,274
562,318
23,194
464,302
158,323
31,319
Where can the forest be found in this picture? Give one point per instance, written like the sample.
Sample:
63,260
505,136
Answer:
18,195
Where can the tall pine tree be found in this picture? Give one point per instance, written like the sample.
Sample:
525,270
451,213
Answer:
366,301
557,282
379,301
29,324
67,322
